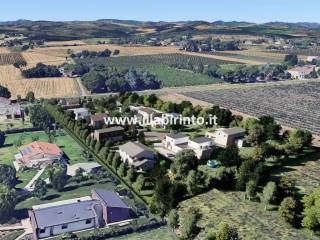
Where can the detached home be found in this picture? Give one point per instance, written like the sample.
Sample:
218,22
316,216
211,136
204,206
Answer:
10,110
95,211
111,133
228,136
138,156
38,155
81,113
302,72
98,120
202,146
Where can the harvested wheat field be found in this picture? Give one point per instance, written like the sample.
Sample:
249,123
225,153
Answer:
4,50
9,73
43,87
124,50
33,58
64,43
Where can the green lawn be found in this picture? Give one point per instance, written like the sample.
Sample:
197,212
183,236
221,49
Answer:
158,234
6,124
62,139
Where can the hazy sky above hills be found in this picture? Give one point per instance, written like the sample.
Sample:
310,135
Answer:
166,10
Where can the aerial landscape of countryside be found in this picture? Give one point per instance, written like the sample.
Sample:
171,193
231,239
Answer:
191,122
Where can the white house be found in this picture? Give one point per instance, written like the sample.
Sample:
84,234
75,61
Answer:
81,113
302,72
311,58
148,113
202,146
176,142
228,136
138,156
165,120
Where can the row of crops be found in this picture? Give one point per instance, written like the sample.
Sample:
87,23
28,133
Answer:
295,105
160,59
10,58
161,66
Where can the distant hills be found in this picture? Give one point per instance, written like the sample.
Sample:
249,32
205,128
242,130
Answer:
113,28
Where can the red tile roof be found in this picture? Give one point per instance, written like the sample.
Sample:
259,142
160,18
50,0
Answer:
39,148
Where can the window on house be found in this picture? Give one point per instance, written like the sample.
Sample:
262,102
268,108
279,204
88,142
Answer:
88,221
42,230
64,226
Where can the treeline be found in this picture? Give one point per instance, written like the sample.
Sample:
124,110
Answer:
41,71
210,45
107,79
94,54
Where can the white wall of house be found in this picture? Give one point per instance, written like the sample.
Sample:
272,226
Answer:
71,227
221,138
204,145
170,143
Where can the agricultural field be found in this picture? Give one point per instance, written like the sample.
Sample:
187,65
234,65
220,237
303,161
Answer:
33,58
295,105
171,77
11,78
44,87
64,43
9,73
251,219
10,58
4,50
124,50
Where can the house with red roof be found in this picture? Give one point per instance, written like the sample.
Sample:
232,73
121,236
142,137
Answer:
38,155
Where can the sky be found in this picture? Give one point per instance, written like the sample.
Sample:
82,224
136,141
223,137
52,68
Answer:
258,11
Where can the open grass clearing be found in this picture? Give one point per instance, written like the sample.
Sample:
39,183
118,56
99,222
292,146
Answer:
251,219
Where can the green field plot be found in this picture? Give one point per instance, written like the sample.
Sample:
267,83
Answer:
252,221
8,124
171,77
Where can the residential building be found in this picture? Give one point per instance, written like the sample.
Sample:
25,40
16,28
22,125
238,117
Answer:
85,168
138,156
98,120
70,103
9,109
202,146
115,133
81,113
302,72
148,113
165,120
38,155
228,136
95,211
176,142
312,58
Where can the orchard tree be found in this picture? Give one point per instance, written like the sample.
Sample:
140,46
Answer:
173,219
269,193
288,210
226,232
311,211
188,225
